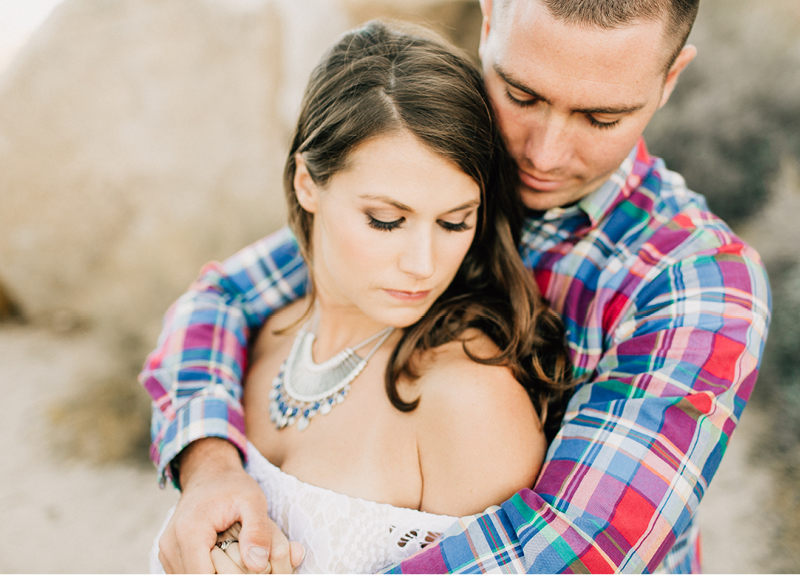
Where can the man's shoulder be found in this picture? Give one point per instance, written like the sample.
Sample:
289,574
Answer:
685,245
679,218
662,229
671,188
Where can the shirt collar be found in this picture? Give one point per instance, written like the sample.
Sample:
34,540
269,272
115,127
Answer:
619,187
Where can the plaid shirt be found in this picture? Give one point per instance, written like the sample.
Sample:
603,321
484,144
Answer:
666,314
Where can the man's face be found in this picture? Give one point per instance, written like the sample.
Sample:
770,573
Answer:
571,100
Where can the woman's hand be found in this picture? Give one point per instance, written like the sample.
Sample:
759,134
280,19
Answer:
226,555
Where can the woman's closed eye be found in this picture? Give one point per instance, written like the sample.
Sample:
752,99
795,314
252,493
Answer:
451,227
383,226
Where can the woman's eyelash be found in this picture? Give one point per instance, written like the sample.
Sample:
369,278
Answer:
389,226
384,226
450,227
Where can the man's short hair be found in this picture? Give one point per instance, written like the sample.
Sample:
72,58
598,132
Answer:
679,16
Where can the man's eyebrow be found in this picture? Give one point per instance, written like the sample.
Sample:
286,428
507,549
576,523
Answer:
519,85
405,208
534,94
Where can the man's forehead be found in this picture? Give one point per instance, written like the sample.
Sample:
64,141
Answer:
535,49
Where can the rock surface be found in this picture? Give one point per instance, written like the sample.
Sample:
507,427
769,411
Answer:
139,140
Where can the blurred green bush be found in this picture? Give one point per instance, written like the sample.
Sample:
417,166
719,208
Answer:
736,110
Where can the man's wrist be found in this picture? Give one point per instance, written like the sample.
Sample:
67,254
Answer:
205,455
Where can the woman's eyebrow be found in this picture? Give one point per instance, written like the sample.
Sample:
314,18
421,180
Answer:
387,200
464,206
405,208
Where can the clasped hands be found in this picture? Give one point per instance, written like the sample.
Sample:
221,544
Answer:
226,555
220,501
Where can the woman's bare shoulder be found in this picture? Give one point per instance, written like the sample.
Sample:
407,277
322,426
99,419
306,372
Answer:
280,326
480,440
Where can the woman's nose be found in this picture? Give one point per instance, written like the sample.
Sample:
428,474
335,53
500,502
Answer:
417,258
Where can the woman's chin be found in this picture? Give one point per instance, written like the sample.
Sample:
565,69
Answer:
400,318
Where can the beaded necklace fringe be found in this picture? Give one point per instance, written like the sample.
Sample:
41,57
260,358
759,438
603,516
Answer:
304,388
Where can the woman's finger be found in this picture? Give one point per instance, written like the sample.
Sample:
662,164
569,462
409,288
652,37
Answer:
231,533
279,555
297,553
234,552
234,530
223,563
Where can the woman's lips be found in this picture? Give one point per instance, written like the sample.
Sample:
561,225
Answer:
538,184
408,296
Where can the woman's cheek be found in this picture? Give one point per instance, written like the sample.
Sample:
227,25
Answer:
459,251
357,244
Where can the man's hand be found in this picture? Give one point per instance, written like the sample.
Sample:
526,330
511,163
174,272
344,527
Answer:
216,493
228,558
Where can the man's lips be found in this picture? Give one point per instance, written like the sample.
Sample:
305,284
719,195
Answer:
540,184
408,296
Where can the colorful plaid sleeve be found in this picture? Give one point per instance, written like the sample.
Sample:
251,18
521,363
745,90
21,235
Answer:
667,313
194,375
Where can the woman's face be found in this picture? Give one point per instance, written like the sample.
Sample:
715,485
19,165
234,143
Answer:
390,229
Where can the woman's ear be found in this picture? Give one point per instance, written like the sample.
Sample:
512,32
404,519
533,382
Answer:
305,189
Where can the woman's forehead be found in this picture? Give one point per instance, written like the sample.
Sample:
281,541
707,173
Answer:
398,169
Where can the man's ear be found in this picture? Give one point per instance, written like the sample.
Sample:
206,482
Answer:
486,24
686,55
305,189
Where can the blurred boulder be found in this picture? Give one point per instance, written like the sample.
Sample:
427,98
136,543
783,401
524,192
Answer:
8,308
141,139
457,20
138,140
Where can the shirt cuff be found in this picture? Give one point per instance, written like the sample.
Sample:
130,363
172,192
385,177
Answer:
212,414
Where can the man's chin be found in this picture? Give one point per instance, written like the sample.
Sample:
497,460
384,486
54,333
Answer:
542,201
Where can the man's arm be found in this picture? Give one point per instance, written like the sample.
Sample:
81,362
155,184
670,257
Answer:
194,378
641,439
194,375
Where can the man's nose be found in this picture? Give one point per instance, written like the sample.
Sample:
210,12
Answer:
417,258
548,146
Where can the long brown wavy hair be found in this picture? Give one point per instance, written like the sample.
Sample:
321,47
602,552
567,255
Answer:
380,79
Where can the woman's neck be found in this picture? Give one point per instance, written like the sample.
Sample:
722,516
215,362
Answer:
340,326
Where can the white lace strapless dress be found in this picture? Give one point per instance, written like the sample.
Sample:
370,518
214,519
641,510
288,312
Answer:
341,534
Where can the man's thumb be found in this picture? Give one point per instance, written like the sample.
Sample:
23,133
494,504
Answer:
255,540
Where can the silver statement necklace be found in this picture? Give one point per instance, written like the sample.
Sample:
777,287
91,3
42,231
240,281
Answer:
303,388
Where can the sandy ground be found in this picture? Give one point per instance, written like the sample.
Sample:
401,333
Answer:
61,515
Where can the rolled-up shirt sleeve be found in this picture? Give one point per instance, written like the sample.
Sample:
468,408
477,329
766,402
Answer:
194,375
